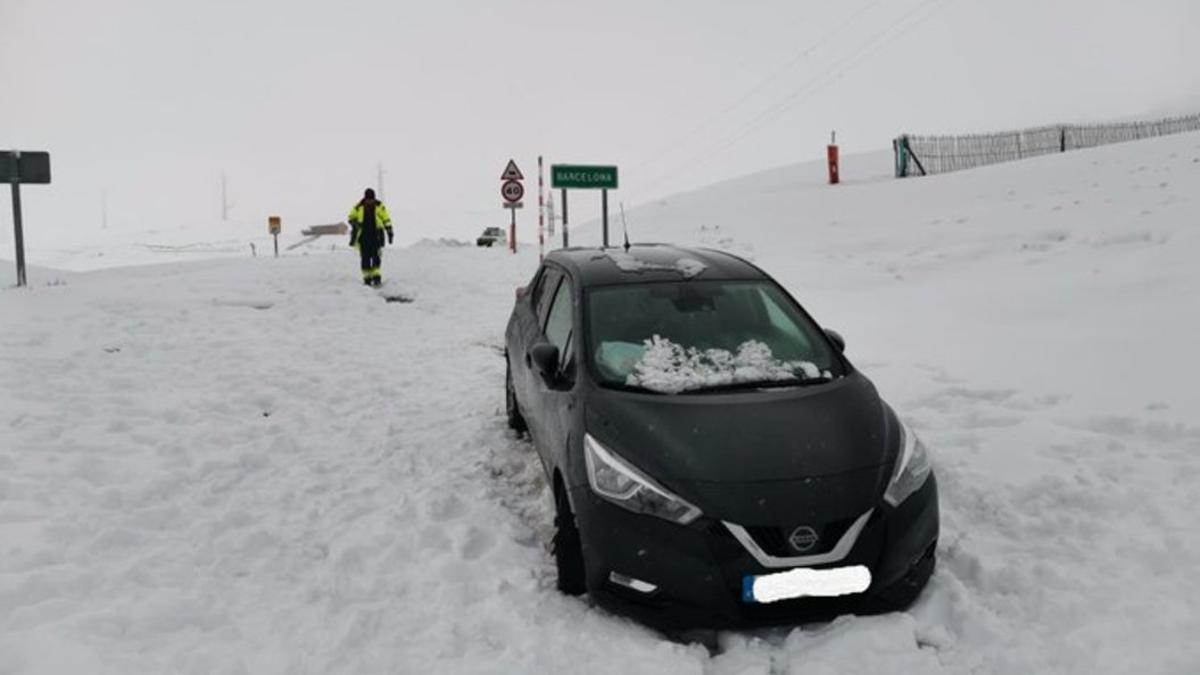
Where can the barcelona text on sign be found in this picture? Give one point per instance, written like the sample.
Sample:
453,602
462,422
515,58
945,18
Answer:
583,177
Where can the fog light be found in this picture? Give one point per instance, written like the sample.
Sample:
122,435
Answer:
629,582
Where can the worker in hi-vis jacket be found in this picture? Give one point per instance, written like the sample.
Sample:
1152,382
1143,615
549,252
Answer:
369,222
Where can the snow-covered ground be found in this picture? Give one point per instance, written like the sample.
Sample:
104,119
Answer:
253,465
84,249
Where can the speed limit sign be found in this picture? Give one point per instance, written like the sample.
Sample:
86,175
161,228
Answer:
512,191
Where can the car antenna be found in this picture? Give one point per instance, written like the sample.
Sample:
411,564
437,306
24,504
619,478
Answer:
624,227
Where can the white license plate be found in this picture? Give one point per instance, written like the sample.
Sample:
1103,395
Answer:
804,582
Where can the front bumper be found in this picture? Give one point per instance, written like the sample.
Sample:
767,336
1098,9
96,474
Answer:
697,569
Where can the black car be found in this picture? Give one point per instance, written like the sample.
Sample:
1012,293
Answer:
491,236
715,459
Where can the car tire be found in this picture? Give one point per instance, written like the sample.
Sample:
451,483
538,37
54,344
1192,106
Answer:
568,549
511,411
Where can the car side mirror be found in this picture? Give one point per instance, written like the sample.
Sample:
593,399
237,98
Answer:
544,357
836,338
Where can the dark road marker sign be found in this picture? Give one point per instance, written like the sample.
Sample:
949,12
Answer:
31,168
18,167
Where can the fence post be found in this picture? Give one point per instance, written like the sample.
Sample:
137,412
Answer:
909,154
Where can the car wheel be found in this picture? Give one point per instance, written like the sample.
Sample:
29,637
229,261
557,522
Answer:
568,551
515,421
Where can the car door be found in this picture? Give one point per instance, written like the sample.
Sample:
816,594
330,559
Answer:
556,399
528,318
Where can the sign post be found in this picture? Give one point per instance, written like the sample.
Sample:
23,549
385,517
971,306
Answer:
18,230
566,241
584,177
18,167
512,191
274,226
604,214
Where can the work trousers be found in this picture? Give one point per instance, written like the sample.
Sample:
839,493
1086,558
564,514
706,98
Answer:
371,263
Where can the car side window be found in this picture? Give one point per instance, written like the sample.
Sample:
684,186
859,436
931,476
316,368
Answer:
545,293
534,288
560,323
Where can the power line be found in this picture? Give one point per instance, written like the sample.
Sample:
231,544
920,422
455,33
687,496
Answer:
812,86
803,54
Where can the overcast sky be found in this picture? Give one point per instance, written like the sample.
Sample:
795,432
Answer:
297,102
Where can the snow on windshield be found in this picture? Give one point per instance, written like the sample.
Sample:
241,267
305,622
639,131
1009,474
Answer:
670,368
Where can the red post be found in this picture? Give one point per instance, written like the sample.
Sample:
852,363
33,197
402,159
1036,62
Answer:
831,154
512,230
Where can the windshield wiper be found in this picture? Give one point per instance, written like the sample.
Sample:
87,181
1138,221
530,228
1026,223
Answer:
754,385
636,388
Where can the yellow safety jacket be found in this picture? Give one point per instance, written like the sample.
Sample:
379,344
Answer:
363,234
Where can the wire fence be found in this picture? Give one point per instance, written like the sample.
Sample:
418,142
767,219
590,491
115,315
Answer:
922,155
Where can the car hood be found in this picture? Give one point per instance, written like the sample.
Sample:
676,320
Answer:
804,448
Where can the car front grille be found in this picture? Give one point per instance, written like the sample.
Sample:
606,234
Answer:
773,539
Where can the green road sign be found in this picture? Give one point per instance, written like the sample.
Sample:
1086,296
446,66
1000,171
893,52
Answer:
573,176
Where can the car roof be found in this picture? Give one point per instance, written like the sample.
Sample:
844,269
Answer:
650,262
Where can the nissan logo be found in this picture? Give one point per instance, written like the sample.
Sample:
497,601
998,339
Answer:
803,538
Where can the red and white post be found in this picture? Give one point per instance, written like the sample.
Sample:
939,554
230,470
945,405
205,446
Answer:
831,153
541,213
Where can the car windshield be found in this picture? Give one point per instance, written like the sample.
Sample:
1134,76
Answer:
689,336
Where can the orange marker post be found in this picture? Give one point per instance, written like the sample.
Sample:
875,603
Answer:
831,154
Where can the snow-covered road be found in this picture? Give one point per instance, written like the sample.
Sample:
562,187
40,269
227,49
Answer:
259,466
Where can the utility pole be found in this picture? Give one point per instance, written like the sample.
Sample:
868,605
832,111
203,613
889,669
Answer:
379,180
224,200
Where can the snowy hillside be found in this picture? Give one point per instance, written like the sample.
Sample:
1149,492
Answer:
253,465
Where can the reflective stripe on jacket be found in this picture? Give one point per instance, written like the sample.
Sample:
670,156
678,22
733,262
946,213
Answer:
382,219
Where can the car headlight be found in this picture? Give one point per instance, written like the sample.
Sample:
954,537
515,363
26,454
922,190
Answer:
618,482
912,468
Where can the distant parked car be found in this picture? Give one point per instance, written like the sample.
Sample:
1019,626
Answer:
492,236
714,457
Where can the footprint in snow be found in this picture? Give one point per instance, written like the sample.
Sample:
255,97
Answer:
476,543
446,507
